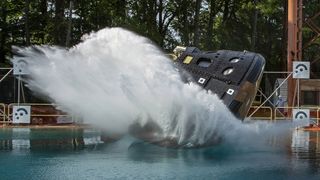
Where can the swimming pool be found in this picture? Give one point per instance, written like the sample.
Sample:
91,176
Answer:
81,154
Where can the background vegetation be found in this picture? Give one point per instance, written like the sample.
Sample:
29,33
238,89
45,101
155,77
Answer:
256,25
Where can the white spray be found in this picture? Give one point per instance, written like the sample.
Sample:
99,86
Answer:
115,77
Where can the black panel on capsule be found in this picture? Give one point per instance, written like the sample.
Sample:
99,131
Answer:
233,75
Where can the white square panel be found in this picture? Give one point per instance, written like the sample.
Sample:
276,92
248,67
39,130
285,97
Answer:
301,70
20,67
300,114
21,114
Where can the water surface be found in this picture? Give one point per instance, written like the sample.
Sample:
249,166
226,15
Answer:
81,154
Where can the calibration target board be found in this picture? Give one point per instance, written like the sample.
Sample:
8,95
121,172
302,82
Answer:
20,67
301,114
64,120
301,70
21,114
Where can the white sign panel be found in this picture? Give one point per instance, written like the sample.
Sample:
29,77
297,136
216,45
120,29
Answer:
20,67
301,114
64,120
21,114
301,70
230,91
201,80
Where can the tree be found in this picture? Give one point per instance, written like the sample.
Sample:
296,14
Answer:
68,39
27,29
59,33
3,33
215,7
258,25
196,23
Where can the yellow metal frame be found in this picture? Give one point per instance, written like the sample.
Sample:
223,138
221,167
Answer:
3,113
7,112
262,117
318,115
276,109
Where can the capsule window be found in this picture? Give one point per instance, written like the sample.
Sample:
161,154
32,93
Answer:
227,71
204,62
234,60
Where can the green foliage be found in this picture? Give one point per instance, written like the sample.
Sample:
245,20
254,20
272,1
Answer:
257,25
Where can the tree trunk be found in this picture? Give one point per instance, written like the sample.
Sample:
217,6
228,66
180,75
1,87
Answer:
186,30
3,32
97,18
160,10
226,10
68,39
27,29
210,26
160,22
196,23
121,11
59,31
254,27
283,60
43,20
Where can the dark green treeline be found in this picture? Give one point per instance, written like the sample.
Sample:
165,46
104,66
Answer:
256,25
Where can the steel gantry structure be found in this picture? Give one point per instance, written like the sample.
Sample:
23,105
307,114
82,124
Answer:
295,46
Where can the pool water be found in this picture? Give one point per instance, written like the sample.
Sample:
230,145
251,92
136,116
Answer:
81,154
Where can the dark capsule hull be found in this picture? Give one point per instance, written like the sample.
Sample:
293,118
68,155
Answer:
233,75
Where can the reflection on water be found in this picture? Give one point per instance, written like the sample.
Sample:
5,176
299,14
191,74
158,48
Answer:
81,154
23,139
146,152
300,142
306,148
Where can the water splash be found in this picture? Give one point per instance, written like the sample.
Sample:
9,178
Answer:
115,78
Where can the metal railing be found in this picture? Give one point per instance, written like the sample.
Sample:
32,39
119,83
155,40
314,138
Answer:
2,113
49,110
281,113
266,111
318,116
